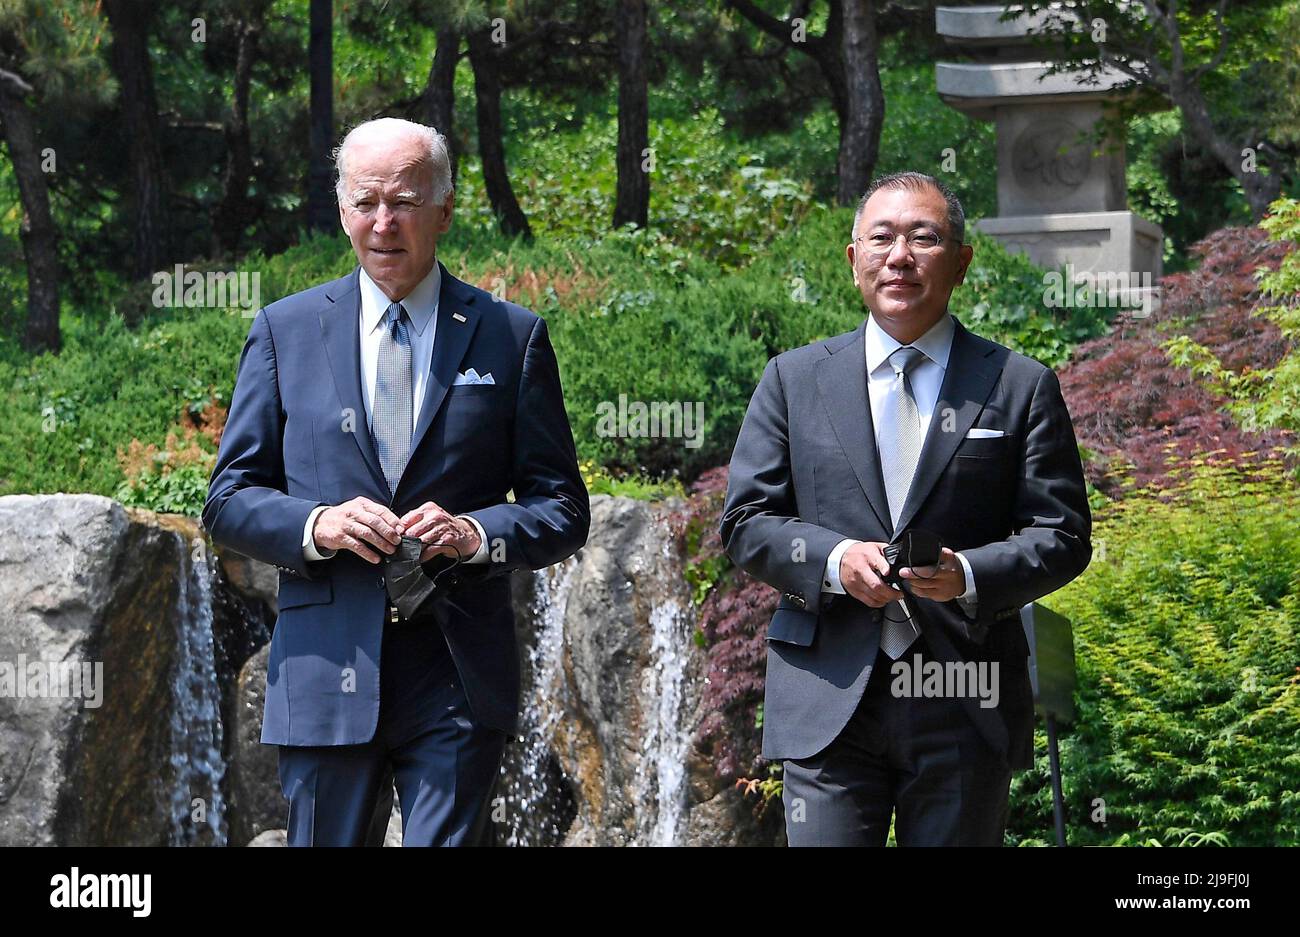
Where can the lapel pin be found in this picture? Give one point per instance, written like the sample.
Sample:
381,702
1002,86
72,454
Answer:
458,317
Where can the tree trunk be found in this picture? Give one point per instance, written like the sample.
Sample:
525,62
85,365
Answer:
38,234
632,201
438,104
322,205
487,106
865,112
1260,189
234,211
129,59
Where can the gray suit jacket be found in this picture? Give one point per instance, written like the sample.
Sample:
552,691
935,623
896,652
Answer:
805,474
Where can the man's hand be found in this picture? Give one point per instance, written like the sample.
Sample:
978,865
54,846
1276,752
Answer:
938,583
443,534
357,525
861,567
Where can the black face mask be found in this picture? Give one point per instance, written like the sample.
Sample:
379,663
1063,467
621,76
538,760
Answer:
413,585
913,548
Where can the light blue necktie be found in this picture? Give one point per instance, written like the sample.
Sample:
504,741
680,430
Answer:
391,419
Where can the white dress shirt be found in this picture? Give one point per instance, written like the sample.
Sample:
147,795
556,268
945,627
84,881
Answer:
926,378
421,306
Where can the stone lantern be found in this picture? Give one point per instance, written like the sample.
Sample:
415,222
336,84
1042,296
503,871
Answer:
1061,197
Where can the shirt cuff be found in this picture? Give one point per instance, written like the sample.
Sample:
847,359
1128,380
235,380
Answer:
831,575
309,550
969,598
481,555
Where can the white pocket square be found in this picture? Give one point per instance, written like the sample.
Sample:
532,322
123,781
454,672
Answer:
472,377
977,432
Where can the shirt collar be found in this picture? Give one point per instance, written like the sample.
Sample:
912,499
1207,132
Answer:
936,344
421,303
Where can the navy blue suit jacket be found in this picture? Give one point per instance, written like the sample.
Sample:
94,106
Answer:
297,436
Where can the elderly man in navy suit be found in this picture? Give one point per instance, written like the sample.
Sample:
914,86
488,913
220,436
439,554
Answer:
395,401
908,423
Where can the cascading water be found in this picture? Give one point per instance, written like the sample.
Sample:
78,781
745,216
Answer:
532,818
196,730
661,782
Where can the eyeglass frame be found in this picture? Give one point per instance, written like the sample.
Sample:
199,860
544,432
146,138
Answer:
906,236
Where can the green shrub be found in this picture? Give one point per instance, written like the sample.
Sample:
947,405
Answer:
626,319
1187,635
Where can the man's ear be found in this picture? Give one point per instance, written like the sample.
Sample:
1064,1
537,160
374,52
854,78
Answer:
448,207
963,260
850,253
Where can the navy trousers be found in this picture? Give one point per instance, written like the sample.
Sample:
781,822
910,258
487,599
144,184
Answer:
427,742
920,759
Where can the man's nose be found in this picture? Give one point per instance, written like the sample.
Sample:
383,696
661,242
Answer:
385,218
900,254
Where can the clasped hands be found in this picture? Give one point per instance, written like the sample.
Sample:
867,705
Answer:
863,564
368,528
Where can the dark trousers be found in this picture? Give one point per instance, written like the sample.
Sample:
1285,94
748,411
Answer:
444,765
920,759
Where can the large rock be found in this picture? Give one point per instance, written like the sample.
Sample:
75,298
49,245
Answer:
256,802
93,587
613,681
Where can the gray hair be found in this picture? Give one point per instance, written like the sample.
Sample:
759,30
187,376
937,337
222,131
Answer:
916,182
435,145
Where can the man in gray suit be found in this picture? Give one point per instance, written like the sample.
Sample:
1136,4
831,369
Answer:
908,423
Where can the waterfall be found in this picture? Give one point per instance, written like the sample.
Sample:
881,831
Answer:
532,819
662,778
196,731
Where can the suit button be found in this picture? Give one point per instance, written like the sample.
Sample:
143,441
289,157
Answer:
380,582
799,601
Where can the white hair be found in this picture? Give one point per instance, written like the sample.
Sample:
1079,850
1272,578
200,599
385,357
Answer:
434,143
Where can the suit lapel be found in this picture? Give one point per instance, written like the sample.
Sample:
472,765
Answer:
342,336
967,383
842,385
458,318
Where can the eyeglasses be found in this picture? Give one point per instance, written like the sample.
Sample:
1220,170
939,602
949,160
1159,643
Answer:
920,242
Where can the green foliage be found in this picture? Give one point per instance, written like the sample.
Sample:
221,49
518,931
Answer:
600,482
1267,398
1186,640
70,413
179,491
710,199
622,323
920,133
59,42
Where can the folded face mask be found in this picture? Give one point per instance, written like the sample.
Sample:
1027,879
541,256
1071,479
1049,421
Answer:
413,585
912,548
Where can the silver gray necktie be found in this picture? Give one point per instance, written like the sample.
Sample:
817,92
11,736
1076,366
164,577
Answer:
391,419
898,631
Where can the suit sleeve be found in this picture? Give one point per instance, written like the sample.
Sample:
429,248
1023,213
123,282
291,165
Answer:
247,508
1052,522
551,514
761,530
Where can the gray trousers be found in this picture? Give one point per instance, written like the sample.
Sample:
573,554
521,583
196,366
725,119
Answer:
920,759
